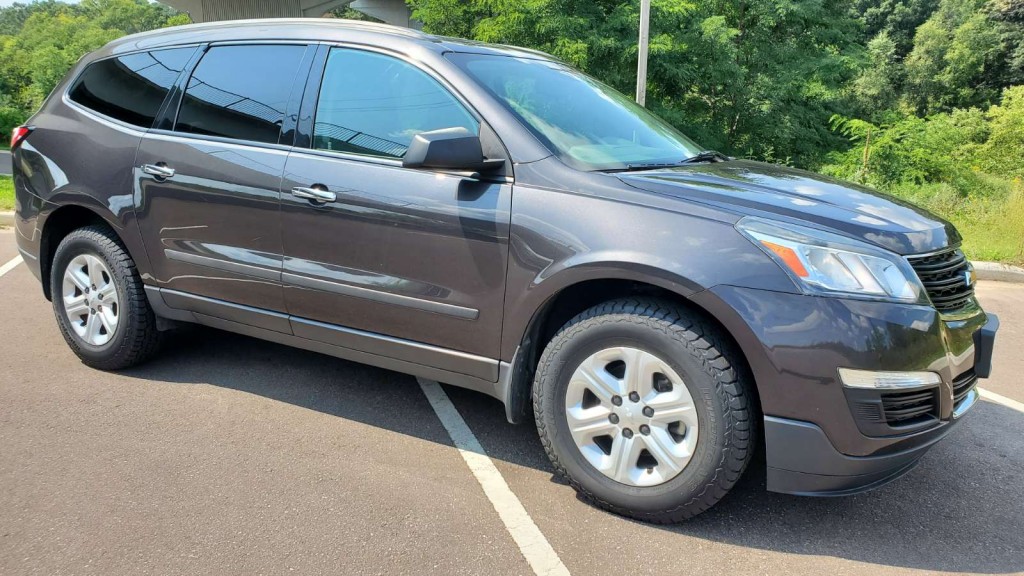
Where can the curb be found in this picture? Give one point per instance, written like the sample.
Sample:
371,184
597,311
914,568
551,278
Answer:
6,218
999,272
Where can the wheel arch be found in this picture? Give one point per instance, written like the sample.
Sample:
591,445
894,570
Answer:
58,224
596,284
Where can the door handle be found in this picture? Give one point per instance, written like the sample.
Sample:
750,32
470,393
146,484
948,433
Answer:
315,193
160,170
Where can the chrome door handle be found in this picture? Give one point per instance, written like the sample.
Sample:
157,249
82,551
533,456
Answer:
159,170
314,194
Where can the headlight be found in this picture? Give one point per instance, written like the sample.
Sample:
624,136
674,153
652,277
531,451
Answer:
822,262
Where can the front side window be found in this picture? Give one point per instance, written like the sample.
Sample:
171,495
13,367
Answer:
374,104
589,124
130,88
240,92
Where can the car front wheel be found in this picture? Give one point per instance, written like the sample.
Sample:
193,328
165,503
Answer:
639,404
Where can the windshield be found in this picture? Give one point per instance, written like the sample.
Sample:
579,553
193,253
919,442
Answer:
588,124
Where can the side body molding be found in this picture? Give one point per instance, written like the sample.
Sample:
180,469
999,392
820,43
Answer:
449,366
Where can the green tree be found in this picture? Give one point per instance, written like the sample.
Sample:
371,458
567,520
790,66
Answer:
1010,15
957,60
897,19
755,77
40,42
13,17
877,88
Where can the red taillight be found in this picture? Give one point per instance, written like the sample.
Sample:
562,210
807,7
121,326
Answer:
18,135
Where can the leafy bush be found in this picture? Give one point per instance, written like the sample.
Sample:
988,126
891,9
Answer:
991,221
965,165
10,117
1003,151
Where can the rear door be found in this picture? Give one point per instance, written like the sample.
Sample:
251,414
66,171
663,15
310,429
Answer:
405,257
210,178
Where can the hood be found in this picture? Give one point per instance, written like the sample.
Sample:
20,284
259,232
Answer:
781,193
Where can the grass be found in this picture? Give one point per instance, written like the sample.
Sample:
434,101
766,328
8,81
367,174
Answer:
6,194
990,216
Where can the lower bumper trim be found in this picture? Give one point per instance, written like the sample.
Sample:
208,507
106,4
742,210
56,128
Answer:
802,484
801,460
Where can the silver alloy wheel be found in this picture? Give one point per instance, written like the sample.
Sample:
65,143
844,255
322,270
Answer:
631,416
90,299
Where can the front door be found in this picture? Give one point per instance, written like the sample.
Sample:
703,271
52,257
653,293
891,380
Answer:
389,259
210,188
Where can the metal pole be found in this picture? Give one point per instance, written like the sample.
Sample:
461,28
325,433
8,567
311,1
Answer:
641,67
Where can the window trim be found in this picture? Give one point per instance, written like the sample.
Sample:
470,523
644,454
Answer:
66,93
307,122
306,61
178,90
220,140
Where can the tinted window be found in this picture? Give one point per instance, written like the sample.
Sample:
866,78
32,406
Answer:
373,104
240,92
130,88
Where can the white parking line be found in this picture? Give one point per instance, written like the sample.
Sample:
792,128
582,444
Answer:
532,543
11,265
1000,399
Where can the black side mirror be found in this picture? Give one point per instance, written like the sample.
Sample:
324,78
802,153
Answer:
448,149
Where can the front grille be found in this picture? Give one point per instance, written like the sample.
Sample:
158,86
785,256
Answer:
962,386
946,278
907,408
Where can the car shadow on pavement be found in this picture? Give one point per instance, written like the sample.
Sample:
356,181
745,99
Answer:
960,510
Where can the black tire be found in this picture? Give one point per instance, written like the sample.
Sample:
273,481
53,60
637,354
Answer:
722,395
135,338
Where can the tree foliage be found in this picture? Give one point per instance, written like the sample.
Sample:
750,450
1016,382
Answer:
955,147
39,42
755,78
959,58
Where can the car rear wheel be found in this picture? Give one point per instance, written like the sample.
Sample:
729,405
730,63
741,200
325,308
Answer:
100,302
640,406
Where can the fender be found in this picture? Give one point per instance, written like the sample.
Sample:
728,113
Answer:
75,182
126,229
667,249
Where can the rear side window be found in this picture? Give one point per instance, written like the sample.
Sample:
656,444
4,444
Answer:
373,104
130,88
240,92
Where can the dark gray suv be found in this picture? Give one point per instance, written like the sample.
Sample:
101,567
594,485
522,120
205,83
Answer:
487,217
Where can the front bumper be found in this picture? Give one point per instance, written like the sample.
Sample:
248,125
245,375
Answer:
816,439
802,461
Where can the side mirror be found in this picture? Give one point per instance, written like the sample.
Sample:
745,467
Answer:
448,149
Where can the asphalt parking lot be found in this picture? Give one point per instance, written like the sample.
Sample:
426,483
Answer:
228,455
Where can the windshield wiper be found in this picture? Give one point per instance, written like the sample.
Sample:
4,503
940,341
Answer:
703,156
644,166
706,156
